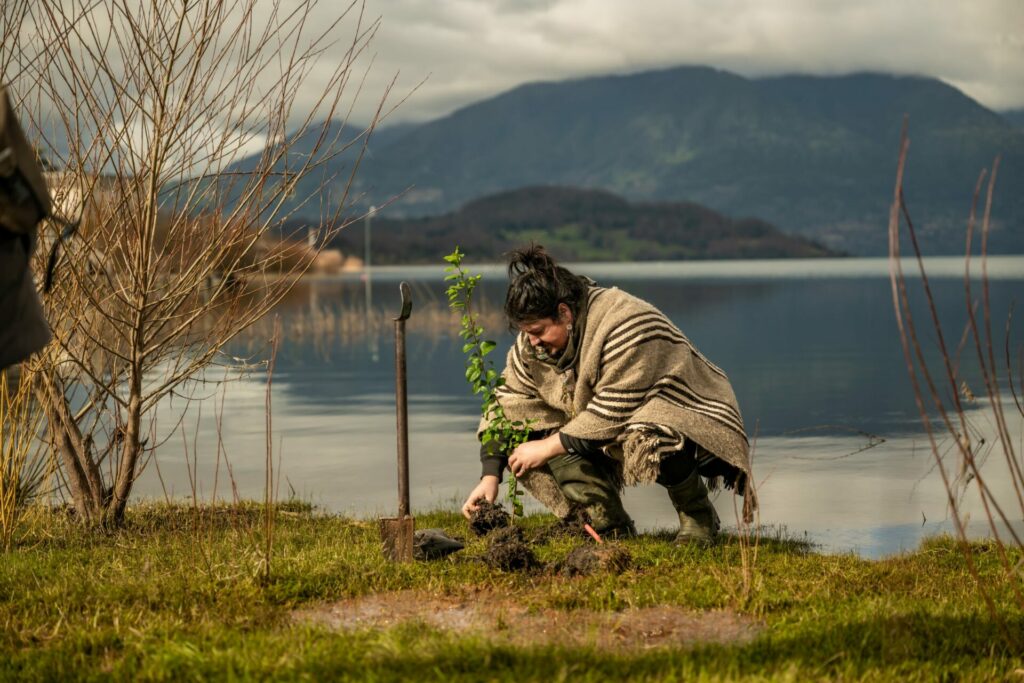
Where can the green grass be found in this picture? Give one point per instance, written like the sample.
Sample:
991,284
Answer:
178,595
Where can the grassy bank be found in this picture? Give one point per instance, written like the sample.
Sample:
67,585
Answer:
178,595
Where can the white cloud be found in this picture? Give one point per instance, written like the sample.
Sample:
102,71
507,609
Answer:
472,49
468,50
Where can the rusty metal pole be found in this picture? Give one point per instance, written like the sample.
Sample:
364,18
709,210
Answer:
401,403
397,533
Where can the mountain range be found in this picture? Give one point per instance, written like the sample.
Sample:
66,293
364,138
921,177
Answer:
813,155
1014,116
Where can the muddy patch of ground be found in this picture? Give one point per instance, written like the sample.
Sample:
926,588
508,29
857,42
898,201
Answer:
504,621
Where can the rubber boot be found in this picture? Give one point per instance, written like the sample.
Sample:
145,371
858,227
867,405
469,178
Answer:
584,482
698,521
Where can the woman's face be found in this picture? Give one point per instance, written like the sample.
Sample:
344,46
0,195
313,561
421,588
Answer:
549,335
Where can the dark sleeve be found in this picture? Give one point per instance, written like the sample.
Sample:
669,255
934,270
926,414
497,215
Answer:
493,465
587,448
492,460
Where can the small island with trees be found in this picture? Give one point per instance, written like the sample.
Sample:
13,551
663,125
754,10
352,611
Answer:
581,225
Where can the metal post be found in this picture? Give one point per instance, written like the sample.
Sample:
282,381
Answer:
366,260
401,404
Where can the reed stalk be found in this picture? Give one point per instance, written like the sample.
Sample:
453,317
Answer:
23,461
941,394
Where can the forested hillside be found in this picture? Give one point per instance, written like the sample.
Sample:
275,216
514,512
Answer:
577,225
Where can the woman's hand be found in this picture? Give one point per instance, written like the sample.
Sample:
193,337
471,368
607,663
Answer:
486,489
533,454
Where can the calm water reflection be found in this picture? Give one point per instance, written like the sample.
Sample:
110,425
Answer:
811,348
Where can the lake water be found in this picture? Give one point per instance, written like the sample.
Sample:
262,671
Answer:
811,348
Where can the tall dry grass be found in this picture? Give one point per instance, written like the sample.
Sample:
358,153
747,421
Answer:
942,391
24,462
327,317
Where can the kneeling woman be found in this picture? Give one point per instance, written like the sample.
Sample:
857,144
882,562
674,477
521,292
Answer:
616,396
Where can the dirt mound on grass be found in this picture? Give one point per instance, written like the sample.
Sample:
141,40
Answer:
507,550
587,559
507,622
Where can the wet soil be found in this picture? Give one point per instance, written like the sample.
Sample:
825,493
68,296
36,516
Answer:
570,526
487,517
509,621
588,559
508,551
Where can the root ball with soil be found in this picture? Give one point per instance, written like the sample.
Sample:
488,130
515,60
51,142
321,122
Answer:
487,517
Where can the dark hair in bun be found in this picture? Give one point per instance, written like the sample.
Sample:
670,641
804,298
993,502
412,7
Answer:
537,285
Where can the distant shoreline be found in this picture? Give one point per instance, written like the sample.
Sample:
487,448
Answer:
1000,267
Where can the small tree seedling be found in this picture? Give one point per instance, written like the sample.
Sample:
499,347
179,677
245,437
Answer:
480,372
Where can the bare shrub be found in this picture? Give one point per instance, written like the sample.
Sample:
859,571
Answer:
153,101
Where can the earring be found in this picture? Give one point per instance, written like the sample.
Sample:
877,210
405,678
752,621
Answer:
568,328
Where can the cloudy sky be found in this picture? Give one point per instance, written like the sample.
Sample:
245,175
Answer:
471,49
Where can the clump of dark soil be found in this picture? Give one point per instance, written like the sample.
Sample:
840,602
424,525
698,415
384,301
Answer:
487,517
570,526
508,550
588,559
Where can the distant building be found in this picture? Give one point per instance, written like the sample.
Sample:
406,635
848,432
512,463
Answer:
66,191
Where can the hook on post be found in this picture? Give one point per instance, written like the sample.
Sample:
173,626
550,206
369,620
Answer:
406,301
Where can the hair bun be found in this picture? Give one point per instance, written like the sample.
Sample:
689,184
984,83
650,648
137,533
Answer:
532,257
538,285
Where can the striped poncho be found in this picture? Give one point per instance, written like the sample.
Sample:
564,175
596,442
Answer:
637,381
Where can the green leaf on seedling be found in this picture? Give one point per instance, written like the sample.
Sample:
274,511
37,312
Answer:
480,374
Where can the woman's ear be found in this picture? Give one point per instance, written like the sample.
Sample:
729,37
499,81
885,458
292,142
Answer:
564,314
